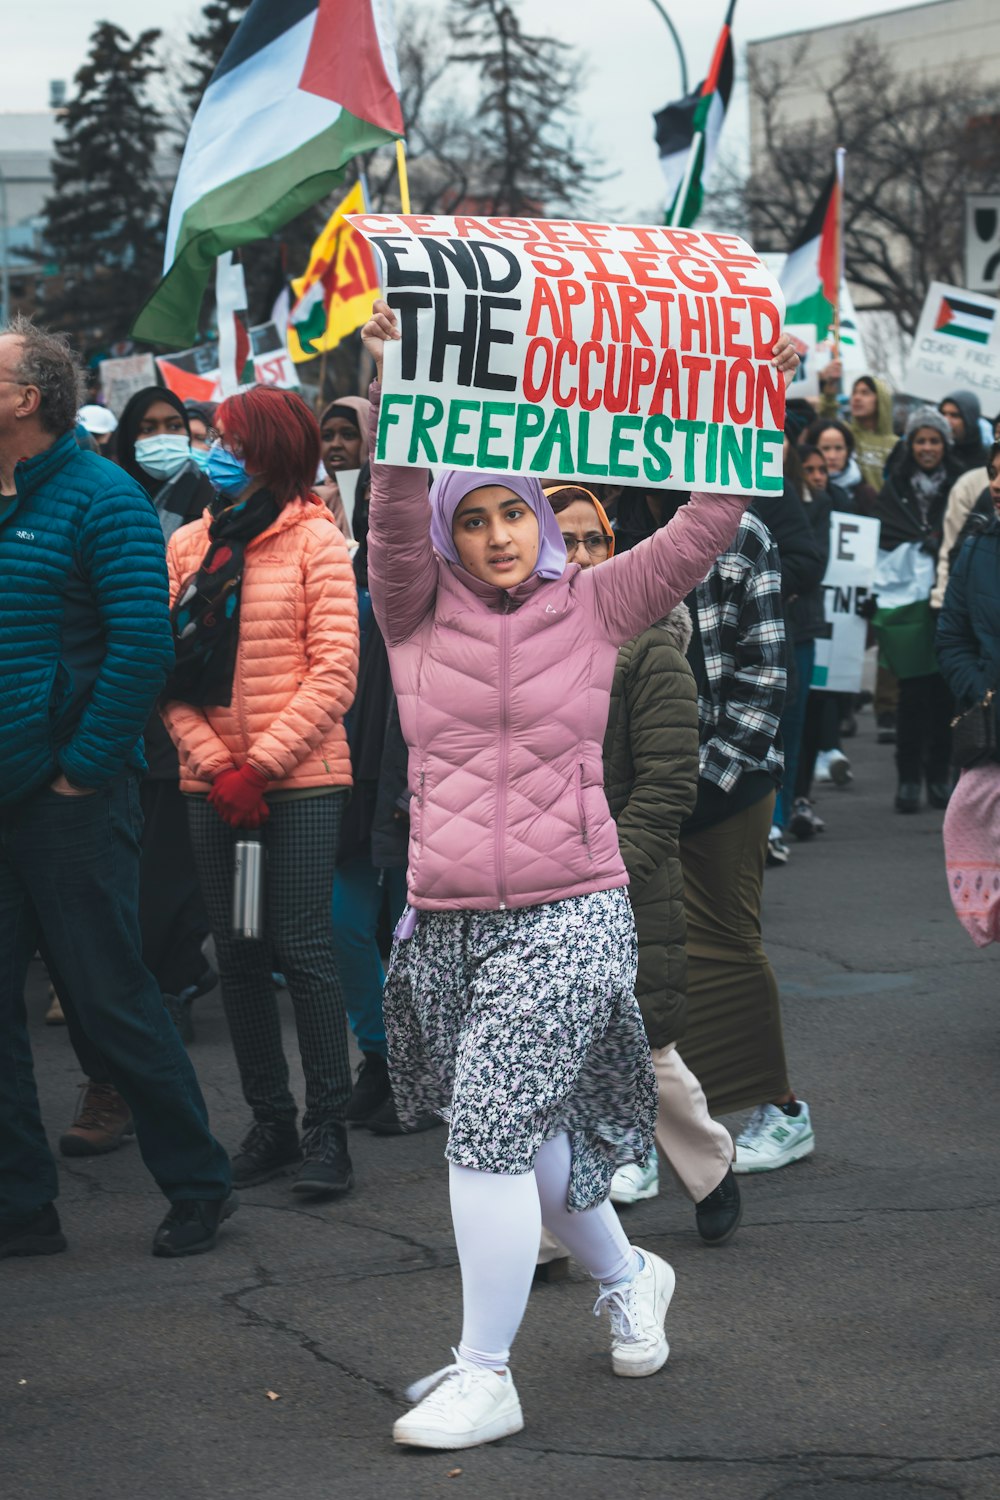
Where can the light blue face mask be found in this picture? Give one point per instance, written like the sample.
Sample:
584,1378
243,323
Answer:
225,471
161,456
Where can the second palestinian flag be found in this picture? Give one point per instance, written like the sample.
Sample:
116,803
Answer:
687,133
810,277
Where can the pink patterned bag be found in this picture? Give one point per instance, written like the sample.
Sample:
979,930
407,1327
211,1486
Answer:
972,852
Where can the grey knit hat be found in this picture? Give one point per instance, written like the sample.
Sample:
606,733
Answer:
929,416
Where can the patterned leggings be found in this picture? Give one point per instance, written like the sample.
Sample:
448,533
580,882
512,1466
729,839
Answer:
300,842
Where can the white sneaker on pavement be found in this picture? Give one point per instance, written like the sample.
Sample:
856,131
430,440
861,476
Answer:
822,771
460,1406
772,1139
638,1309
633,1183
839,767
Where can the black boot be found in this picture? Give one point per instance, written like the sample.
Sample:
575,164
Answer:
38,1235
718,1216
192,1226
938,793
908,797
371,1090
386,1121
269,1149
327,1167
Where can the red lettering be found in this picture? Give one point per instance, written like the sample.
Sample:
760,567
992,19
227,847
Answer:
535,390
604,308
666,380
616,382
421,224
632,303
559,232
685,241
693,273
663,301
770,388
736,271
647,238
565,349
600,271
719,391
643,370
543,300
548,263
693,322
739,391
514,229
571,294
731,308
696,365
594,234
466,228
726,244
765,327
590,396
642,264
376,223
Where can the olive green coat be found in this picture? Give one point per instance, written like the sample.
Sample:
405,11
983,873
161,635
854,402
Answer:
651,779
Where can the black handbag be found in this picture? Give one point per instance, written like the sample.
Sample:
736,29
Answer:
974,734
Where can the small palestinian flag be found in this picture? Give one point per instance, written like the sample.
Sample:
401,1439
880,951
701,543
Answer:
965,320
303,87
687,133
810,277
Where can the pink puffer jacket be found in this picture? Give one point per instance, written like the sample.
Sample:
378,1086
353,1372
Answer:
504,709
297,664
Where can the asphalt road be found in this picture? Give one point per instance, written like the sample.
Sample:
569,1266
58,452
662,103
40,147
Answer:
843,1347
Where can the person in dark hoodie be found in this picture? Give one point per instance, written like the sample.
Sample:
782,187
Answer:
963,412
911,507
154,448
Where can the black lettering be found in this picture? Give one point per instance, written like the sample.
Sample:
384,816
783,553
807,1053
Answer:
847,531
489,336
441,253
493,281
407,305
391,250
464,339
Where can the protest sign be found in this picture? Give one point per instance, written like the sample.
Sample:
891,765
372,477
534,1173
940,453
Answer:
580,351
121,378
815,353
847,583
194,374
956,347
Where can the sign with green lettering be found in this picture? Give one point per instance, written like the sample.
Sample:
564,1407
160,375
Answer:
580,351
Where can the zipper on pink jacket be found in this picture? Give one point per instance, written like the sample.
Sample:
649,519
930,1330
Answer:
502,766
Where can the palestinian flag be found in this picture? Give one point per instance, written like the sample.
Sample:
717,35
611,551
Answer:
687,133
302,88
335,295
810,278
965,320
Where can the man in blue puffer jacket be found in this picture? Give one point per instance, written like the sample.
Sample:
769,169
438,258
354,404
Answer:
85,645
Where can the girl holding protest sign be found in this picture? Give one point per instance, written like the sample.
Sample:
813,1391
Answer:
510,1004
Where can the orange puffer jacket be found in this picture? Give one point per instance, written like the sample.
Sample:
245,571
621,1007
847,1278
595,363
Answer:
297,663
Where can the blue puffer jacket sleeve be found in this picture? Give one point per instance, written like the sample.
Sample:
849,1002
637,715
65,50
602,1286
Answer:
121,549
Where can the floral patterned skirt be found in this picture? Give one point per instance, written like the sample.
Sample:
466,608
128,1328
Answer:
518,1025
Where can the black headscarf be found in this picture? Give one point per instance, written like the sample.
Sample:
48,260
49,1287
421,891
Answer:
359,524
128,432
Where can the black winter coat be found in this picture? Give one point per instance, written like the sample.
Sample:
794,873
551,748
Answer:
968,633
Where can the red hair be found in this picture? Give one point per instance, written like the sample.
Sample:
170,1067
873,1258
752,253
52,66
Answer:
278,437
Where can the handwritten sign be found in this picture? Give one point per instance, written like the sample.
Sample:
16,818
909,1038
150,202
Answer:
847,583
956,347
580,351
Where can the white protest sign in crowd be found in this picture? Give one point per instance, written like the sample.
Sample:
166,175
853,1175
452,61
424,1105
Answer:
580,351
121,378
847,583
956,347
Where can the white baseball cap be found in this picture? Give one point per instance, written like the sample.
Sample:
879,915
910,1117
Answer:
97,419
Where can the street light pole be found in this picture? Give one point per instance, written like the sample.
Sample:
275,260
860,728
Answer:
677,43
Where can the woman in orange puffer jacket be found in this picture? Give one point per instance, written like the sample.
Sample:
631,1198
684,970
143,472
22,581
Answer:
265,619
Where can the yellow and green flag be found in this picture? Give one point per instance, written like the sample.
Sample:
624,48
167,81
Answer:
335,295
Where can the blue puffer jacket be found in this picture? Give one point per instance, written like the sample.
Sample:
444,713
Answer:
85,642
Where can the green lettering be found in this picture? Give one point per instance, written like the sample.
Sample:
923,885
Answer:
488,430
557,435
737,457
624,431
428,412
387,418
450,455
712,454
657,465
691,430
583,442
769,447
529,423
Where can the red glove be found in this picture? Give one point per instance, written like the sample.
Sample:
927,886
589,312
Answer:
238,797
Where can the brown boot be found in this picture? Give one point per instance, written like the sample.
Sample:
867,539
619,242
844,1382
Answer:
102,1122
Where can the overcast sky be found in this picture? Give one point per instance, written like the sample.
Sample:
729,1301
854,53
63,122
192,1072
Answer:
630,66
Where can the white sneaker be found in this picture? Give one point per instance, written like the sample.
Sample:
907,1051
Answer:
637,1310
772,1139
460,1406
839,767
633,1183
822,771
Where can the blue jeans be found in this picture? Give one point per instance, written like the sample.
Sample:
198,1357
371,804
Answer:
792,723
358,889
69,881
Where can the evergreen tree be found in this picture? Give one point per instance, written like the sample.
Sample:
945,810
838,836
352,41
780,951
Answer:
219,20
104,222
528,159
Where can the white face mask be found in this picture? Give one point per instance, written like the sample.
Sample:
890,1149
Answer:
161,456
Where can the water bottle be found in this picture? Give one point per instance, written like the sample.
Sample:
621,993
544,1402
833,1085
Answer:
248,887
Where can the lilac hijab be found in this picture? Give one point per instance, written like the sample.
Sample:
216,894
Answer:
450,489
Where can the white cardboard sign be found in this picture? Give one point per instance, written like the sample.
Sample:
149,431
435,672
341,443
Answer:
847,583
956,347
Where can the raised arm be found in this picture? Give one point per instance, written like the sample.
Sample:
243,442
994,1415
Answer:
402,568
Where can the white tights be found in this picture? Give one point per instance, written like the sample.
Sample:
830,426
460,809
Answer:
497,1221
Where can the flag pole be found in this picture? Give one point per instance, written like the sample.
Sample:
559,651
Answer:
404,183
322,383
698,139
839,171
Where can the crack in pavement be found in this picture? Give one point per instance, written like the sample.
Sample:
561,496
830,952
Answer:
266,1281
861,1214
775,1460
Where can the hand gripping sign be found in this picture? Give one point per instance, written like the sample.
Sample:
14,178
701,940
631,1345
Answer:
580,351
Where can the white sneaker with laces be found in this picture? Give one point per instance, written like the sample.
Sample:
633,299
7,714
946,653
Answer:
633,1183
460,1406
638,1309
772,1139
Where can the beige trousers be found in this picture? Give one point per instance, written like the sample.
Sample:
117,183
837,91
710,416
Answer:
698,1150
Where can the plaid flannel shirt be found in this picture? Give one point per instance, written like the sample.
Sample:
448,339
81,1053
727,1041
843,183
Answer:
742,631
